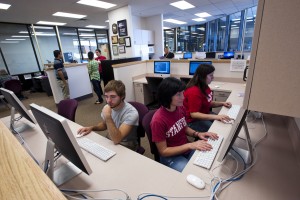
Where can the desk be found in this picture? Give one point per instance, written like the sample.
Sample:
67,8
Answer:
274,177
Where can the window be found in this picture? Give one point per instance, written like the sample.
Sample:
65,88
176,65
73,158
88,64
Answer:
249,29
87,41
234,31
169,35
102,43
221,34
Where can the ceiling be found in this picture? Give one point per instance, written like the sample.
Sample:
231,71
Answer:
32,11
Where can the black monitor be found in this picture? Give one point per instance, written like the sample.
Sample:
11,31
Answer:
228,55
60,137
17,105
211,55
187,55
234,132
162,68
195,64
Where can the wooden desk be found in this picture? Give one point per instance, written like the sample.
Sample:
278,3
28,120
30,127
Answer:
21,177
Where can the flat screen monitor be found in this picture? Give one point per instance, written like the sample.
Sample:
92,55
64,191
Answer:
187,55
228,55
57,130
18,106
195,64
162,68
68,57
211,55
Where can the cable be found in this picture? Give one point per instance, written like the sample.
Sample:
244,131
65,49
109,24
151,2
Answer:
140,197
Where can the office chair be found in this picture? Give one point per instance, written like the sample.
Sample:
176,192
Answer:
142,110
146,124
67,108
15,86
153,83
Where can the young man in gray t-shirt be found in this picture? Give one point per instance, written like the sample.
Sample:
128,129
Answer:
119,118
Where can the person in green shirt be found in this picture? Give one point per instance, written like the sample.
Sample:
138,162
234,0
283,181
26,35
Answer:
94,76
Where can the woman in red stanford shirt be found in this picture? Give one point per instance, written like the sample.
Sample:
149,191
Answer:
199,100
169,127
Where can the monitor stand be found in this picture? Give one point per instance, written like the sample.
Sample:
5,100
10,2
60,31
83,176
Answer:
13,128
64,173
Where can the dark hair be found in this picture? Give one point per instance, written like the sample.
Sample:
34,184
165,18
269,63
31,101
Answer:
199,78
56,53
98,50
90,55
117,86
167,89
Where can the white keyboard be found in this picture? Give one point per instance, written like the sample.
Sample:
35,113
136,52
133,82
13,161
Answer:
206,158
95,149
233,111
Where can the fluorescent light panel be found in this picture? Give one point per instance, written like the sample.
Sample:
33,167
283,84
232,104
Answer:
4,6
95,3
10,42
203,14
51,23
70,15
15,39
80,29
199,19
183,5
41,27
107,21
19,36
95,26
174,21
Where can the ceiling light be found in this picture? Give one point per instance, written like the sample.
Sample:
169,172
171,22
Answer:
80,29
95,26
203,14
19,36
23,32
10,42
174,21
15,39
166,28
45,34
107,21
201,29
69,33
86,35
95,3
51,23
4,6
70,15
199,19
42,27
183,5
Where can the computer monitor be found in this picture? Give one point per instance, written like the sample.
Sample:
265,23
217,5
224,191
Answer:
17,105
228,55
187,55
195,64
68,57
234,132
162,68
60,137
211,55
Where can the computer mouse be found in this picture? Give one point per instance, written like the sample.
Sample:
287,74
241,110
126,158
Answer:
216,86
195,181
79,135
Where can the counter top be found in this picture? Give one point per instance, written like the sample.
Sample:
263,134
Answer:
50,65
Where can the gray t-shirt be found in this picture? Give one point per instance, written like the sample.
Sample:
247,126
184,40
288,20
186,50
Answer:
127,115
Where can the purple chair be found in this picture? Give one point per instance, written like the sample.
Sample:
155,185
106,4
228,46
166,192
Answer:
67,108
15,86
142,110
146,124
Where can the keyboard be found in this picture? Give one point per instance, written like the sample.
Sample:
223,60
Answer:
206,158
233,111
96,149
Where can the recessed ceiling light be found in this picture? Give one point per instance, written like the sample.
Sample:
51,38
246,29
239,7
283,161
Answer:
70,15
183,5
95,26
86,35
201,28
95,3
174,21
166,28
107,21
69,33
51,23
10,42
199,19
203,14
4,6
19,36
15,39
45,34
88,30
42,27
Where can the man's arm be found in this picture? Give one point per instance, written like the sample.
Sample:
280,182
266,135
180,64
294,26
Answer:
61,76
86,130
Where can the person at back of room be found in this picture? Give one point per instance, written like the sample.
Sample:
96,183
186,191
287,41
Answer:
61,73
119,118
170,130
168,54
199,100
94,76
99,58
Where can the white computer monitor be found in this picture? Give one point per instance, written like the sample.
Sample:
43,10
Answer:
162,68
195,64
60,137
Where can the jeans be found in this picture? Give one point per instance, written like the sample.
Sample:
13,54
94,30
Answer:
64,88
200,125
177,162
97,89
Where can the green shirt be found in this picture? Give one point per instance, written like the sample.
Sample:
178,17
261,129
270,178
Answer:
93,70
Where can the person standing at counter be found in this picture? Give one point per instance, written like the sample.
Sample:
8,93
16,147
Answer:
61,74
99,59
168,54
198,100
95,76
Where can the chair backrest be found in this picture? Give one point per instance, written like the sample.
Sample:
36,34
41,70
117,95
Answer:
142,110
14,85
67,108
146,124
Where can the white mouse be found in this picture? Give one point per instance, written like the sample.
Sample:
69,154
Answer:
216,86
79,135
195,181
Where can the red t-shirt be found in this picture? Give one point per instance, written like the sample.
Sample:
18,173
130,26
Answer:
100,58
196,101
169,126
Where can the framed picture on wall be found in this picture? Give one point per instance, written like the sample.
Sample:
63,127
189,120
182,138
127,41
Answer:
114,28
122,49
115,50
127,42
114,39
121,40
122,27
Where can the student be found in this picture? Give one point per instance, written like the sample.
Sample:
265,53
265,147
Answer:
119,118
170,130
61,74
94,76
168,54
99,59
199,100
